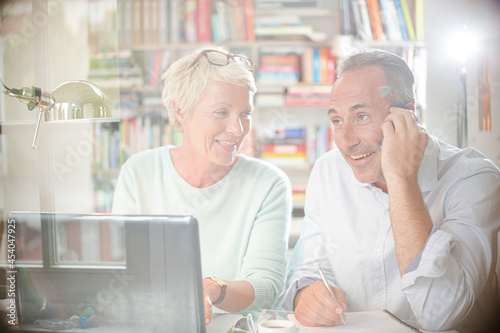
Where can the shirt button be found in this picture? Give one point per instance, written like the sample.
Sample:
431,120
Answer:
378,251
379,286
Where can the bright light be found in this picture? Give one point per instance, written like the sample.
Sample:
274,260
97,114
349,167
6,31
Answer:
463,44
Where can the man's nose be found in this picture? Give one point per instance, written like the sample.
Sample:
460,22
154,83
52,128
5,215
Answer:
348,136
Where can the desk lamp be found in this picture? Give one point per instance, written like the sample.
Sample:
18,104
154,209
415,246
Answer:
72,100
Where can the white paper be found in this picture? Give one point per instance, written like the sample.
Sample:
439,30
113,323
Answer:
365,321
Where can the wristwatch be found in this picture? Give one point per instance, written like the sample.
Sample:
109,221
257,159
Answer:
223,287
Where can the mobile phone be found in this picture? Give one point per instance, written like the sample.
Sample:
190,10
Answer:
402,106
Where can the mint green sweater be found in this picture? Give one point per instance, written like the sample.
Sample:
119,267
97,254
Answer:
243,219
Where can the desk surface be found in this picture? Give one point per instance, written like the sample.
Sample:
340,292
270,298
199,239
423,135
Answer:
368,321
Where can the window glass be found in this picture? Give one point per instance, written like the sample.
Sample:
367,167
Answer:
89,242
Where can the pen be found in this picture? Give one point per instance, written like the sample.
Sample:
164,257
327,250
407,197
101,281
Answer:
329,289
414,329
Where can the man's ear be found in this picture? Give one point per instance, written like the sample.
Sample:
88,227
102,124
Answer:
410,106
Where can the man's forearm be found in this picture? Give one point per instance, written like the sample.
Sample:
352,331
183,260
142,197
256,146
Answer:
411,222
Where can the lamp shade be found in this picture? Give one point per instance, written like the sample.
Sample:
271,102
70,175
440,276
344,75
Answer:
74,100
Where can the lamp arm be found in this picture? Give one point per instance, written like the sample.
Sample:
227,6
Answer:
33,96
40,114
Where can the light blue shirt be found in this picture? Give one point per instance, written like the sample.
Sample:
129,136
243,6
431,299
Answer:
347,230
243,219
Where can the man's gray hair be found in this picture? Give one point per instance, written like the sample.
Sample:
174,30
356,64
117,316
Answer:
398,75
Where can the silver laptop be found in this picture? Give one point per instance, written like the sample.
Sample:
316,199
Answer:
155,288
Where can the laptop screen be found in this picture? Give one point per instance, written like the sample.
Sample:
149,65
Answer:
157,287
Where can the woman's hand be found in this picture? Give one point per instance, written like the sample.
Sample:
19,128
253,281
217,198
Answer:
239,296
211,292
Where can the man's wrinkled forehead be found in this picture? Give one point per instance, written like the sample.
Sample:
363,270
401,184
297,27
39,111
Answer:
358,91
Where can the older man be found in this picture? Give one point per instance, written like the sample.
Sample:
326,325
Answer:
396,218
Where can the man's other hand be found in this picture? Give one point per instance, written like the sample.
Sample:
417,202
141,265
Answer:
315,307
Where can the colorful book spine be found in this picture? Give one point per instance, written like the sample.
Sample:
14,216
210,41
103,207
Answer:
388,12
175,20
163,21
204,25
137,22
408,20
401,20
419,19
316,66
376,20
249,20
190,21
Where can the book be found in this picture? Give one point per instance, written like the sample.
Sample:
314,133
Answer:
316,64
284,149
346,17
408,20
359,25
239,20
376,20
306,68
269,100
222,10
279,67
150,22
204,25
419,20
249,20
127,29
137,22
176,19
401,20
163,21
365,19
279,4
388,11
191,21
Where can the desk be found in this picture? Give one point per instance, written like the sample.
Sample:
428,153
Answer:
367,322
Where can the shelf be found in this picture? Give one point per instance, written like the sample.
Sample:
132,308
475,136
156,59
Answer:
374,43
227,44
296,11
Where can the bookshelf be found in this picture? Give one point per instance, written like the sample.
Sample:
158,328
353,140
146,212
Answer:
294,46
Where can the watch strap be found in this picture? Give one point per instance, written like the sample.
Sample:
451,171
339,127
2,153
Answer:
223,287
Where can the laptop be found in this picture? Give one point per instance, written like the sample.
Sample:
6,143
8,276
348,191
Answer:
156,288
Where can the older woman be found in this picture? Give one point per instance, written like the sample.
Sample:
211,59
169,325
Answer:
242,204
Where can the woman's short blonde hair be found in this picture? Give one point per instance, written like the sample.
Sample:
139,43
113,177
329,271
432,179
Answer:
183,88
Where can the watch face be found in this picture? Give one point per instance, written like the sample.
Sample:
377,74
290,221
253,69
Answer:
223,287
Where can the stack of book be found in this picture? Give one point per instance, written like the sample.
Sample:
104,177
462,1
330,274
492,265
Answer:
279,66
141,133
107,153
159,62
270,96
114,69
288,148
318,65
282,4
153,22
299,194
308,95
381,20
321,140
